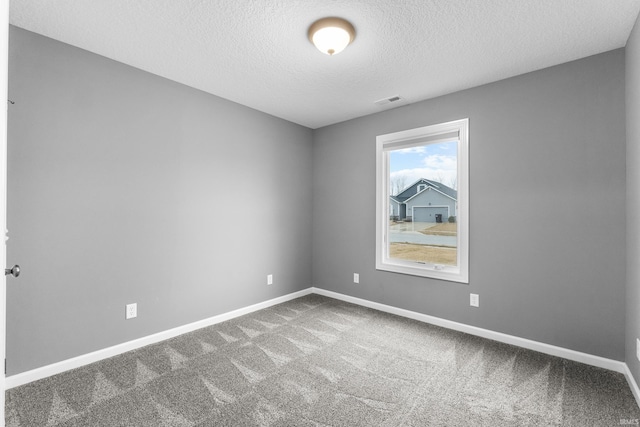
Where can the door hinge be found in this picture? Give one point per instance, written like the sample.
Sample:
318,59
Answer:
5,366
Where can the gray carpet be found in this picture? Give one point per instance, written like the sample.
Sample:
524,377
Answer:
316,361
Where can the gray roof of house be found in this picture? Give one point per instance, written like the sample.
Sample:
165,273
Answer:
402,197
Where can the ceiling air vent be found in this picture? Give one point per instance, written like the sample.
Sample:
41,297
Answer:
390,100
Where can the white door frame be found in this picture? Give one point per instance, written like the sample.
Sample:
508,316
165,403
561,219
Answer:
4,89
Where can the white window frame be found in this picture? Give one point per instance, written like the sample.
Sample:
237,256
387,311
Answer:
413,138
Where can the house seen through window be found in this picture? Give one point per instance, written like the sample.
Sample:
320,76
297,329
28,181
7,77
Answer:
422,195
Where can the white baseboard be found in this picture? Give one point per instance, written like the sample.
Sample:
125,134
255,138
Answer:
77,362
589,359
632,383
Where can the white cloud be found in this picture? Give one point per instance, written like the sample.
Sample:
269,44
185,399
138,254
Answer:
447,177
440,162
412,150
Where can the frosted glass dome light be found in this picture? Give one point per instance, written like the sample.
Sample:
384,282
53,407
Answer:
331,35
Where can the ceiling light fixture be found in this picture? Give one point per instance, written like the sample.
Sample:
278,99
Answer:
331,35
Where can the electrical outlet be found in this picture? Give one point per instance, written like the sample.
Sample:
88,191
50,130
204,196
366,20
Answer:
132,311
474,300
270,279
356,278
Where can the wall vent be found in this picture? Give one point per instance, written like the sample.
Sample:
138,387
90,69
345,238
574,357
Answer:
389,100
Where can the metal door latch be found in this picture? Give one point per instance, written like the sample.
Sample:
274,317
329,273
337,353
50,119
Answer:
14,271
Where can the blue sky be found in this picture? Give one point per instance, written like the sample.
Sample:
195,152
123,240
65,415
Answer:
437,162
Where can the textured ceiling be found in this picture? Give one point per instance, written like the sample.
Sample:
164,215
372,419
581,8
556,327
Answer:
256,52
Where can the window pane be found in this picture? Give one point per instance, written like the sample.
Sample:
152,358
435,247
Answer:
423,203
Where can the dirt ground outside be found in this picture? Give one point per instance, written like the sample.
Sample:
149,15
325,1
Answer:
423,253
442,229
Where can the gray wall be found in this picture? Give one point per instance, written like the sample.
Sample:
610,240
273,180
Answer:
633,198
123,188
548,148
126,187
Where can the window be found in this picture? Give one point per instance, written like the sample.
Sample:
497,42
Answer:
422,201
